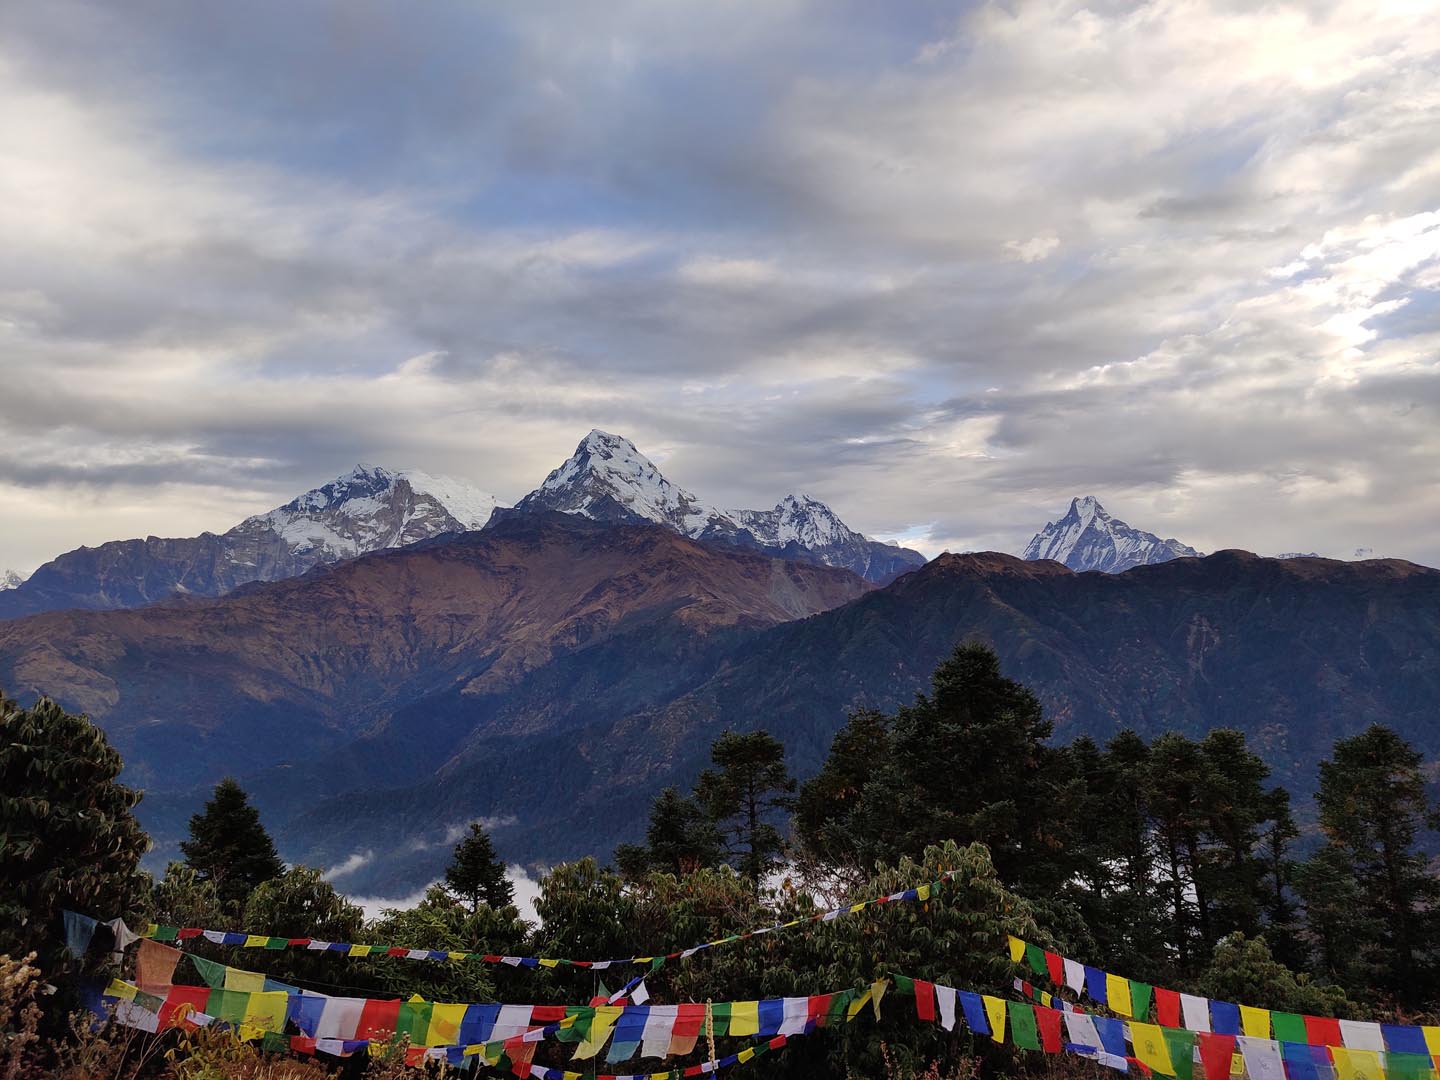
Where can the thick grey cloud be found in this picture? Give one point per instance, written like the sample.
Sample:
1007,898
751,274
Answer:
941,265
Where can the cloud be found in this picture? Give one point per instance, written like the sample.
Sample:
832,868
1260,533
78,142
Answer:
350,864
527,890
943,274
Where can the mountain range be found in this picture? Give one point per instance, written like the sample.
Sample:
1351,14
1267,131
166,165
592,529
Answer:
551,673
373,508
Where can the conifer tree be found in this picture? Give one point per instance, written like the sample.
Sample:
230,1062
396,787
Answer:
476,874
680,839
1370,882
230,847
744,795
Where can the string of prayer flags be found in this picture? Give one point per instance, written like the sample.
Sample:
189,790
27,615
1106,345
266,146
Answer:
1142,1002
177,934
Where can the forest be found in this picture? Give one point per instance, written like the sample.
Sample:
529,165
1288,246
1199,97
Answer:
949,847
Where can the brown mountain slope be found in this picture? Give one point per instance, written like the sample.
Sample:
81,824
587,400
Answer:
289,670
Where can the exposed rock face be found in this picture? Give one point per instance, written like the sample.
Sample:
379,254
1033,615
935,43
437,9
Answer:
369,509
1087,538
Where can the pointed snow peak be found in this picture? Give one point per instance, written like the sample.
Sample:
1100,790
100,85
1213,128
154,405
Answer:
9,579
1088,538
609,478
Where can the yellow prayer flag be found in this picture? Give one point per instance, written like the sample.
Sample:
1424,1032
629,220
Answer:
600,1028
743,1055
1017,949
1150,1047
853,1009
745,1018
267,1011
151,929
250,1032
995,1011
1356,1064
923,892
1255,1022
858,907
118,988
445,1024
1117,994
877,991
1432,1039
256,941
250,981
549,963
359,950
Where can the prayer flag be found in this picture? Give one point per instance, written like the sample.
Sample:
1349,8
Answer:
995,1014
1362,1035
924,1000
1017,949
1140,1000
79,929
629,1030
209,970
1075,976
1055,965
1262,1057
1289,1027
1182,1051
745,1018
1112,1035
1117,994
1081,1029
689,1022
252,982
1216,1052
1323,1031
659,1030
1035,957
945,998
1404,1039
1303,1061
1095,984
1197,1012
1225,1015
975,1012
1167,1007
1356,1064
1049,1021
378,1020
1023,1030
155,966
1255,1022
1152,1049
600,1028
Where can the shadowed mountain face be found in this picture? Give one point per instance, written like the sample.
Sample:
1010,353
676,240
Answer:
554,673
368,509
1296,654
192,689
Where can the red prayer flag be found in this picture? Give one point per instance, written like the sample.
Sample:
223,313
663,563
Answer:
1323,1031
925,1000
1056,966
1167,1008
180,1001
378,1020
397,952
547,1014
689,1019
818,1009
302,1044
1048,1021
187,932
1216,1053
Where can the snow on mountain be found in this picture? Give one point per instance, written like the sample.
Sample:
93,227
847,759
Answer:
609,479
9,579
1088,538
371,508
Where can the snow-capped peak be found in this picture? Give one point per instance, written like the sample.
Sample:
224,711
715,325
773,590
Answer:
9,579
370,508
607,477
1088,538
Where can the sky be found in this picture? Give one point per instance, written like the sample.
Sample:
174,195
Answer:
943,266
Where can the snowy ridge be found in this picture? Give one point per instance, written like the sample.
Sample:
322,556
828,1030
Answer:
609,479
370,508
1088,538
9,579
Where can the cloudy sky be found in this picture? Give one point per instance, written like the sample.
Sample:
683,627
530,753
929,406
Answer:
941,265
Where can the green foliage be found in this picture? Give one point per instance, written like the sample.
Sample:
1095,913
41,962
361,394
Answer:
1243,969
183,897
969,762
744,795
440,921
1370,897
230,847
476,874
680,839
68,837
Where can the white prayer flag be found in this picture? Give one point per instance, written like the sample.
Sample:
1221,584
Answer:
1196,1011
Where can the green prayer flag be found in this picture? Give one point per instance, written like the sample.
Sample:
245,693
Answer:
228,1005
167,933
1289,1027
1140,995
1400,1066
277,943
274,1042
1181,1044
1022,1024
904,985
414,1020
579,1030
1035,957
209,970
720,1012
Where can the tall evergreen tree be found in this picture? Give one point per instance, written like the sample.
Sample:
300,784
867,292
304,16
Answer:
680,839
68,837
230,847
744,795
476,874
1373,807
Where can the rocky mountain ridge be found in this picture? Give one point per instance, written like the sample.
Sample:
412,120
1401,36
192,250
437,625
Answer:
1088,538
